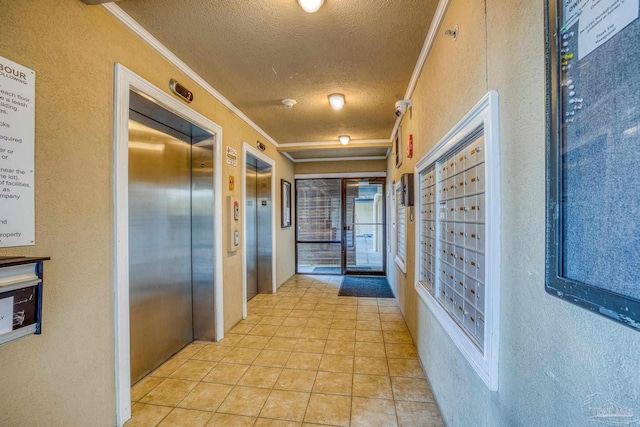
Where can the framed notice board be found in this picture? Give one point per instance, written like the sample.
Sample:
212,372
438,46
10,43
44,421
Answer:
593,156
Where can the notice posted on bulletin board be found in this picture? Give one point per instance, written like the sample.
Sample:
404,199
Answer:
17,132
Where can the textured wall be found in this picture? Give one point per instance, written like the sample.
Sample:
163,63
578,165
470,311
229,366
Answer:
553,355
65,377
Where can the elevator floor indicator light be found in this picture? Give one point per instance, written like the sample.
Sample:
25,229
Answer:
180,90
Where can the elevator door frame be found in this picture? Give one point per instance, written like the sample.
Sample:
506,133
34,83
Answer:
126,81
248,149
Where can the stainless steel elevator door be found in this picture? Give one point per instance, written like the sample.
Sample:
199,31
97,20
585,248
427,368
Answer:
264,234
251,211
159,245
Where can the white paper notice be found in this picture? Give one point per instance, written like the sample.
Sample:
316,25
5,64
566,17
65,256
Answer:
232,156
602,19
6,315
17,129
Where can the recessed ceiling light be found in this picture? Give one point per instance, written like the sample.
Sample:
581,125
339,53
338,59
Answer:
337,101
289,103
344,139
310,6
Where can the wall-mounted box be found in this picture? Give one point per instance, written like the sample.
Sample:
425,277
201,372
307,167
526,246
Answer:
20,297
406,181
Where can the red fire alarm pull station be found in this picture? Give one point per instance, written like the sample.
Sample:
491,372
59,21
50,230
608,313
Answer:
410,147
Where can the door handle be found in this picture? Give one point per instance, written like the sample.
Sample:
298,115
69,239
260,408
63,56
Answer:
347,228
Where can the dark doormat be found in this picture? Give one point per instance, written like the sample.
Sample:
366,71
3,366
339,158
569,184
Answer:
366,287
327,270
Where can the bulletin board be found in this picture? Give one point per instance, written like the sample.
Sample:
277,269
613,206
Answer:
593,156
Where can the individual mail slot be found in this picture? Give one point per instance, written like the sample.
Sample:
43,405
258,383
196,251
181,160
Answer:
452,256
459,262
470,289
452,166
480,266
458,305
450,299
461,161
442,273
451,232
431,194
459,281
451,192
479,238
443,230
480,208
476,152
480,177
472,182
442,211
470,317
470,231
480,329
451,210
460,185
470,208
471,263
442,255
460,209
459,232
480,297
450,275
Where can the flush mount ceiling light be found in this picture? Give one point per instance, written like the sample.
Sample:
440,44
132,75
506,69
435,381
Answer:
310,6
289,103
344,139
337,101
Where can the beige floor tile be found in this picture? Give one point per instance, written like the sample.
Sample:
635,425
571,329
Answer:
253,341
295,380
289,331
347,301
333,383
295,321
212,353
325,307
367,316
169,392
306,306
405,368
242,328
372,386
273,358
342,348
185,418
391,317
315,333
167,368
347,309
267,422
271,320
226,373
244,356
370,349
341,335
282,344
246,401
190,350
193,370
373,412
328,409
310,346
345,315
368,325
370,365
302,314
369,336
304,361
335,363
264,330
390,310
418,414
144,386
388,302
146,415
224,420
412,389
230,340
260,376
393,337
367,301
407,351
286,405
206,396
281,312
343,324
319,323
316,314
252,319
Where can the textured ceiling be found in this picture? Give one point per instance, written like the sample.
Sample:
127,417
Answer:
257,52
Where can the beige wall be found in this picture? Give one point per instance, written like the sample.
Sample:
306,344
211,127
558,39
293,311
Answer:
65,377
553,355
341,167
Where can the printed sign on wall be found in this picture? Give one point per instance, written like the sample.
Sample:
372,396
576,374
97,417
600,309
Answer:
17,131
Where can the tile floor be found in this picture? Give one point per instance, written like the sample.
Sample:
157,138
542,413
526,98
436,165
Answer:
303,357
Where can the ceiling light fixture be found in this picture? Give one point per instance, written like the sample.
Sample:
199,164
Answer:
344,139
310,6
337,101
289,103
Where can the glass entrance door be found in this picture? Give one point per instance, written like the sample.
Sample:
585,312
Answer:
363,230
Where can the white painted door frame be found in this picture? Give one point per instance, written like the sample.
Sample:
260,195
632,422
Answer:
126,80
248,149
